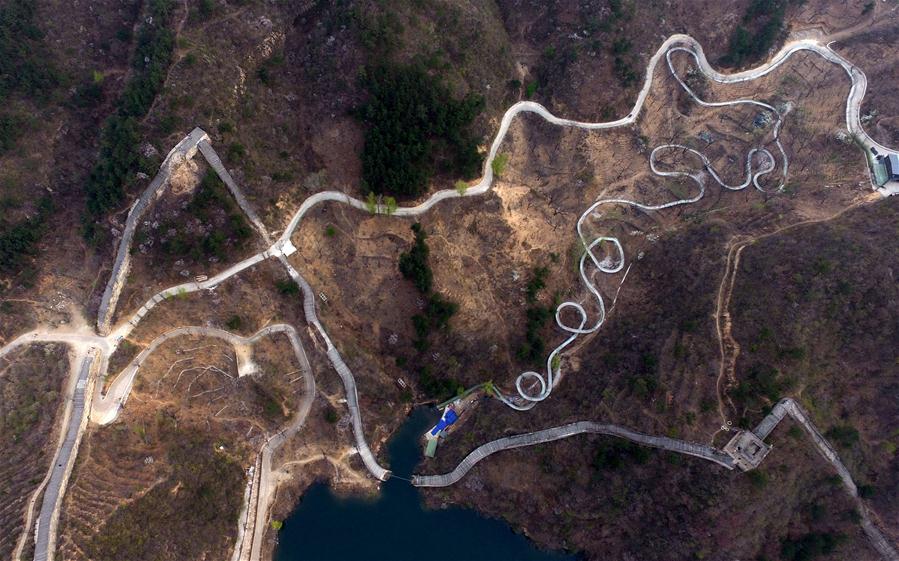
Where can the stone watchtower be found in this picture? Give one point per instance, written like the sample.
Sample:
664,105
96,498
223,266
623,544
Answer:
747,450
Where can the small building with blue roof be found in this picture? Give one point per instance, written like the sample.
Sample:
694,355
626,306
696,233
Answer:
449,417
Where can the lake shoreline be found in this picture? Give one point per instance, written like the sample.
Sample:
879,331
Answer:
327,525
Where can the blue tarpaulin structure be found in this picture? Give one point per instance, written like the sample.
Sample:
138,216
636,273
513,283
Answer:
449,417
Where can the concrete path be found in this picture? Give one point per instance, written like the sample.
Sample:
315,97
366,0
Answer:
556,433
106,407
45,531
346,376
216,164
283,247
261,495
182,151
788,406
785,407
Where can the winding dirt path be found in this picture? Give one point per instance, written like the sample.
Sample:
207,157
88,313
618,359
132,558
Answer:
728,346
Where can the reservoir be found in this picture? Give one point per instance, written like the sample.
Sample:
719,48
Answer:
394,526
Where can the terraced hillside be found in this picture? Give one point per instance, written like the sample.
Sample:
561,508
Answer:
32,390
658,203
189,434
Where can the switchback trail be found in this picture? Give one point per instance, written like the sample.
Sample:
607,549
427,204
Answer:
759,162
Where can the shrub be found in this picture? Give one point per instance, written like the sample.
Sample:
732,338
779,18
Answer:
270,400
809,546
625,72
282,176
437,388
236,151
762,380
866,491
390,204
19,241
536,284
88,95
201,485
234,322
438,309
613,454
168,123
757,478
287,287
744,46
210,197
533,347
263,74
10,131
498,165
643,386
205,9
381,34
842,435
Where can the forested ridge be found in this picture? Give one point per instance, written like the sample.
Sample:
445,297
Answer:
414,128
118,158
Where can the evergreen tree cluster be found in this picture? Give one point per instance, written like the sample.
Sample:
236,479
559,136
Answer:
436,315
25,66
414,128
25,69
210,198
414,263
117,159
438,310
810,546
534,347
767,16
18,241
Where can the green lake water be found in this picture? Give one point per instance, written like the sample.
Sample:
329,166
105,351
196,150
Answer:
394,526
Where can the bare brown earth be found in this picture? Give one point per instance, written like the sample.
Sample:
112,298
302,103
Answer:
283,148
176,403
483,250
274,84
654,365
32,389
824,359
829,327
180,452
54,155
661,506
